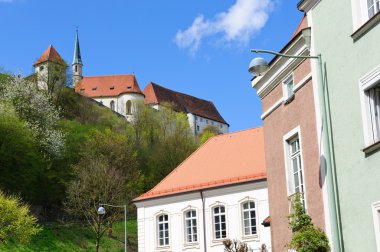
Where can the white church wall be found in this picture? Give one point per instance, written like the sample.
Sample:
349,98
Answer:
201,123
175,206
121,102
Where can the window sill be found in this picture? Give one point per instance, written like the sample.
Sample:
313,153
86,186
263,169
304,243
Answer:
190,246
371,148
250,238
366,27
289,99
218,242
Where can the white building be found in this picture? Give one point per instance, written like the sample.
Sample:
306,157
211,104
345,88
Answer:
218,193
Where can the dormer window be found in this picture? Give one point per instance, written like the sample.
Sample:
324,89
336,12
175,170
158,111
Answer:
82,89
112,87
129,87
94,88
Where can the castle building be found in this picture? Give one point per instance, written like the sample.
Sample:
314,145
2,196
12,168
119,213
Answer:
121,93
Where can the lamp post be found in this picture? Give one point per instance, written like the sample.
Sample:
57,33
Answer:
102,211
259,66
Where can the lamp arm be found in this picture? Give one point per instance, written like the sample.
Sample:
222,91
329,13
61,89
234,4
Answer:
121,206
285,55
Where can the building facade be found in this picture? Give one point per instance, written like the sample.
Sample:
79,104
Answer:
346,34
289,104
218,193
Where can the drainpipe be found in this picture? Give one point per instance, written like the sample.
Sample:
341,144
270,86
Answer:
204,221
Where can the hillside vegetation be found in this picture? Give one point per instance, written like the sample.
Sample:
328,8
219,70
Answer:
57,147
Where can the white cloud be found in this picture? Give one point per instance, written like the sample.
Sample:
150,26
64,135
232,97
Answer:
240,22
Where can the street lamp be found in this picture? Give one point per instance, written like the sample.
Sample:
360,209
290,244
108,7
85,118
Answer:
259,66
102,211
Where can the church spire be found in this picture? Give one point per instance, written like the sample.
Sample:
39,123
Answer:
77,57
77,62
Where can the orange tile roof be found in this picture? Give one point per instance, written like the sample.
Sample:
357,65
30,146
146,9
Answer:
50,54
223,160
155,94
108,85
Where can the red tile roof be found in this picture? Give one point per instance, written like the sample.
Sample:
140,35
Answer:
156,94
266,222
50,54
223,160
109,85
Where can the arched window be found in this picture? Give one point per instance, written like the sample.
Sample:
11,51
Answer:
112,105
191,231
76,68
249,218
163,230
219,222
128,108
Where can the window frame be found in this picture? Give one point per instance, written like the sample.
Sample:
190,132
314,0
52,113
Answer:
157,230
185,234
288,97
112,105
376,222
213,230
289,171
367,83
128,107
250,237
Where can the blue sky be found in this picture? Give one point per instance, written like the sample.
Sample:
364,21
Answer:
198,47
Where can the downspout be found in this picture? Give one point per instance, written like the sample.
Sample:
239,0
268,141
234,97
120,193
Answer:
204,220
330,159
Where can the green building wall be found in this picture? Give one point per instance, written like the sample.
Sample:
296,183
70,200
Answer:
358,175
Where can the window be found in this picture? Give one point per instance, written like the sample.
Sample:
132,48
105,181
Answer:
76,68
197,127
206,121
196,118
373,7
112,105
221,125
370,104
212,122
294,166
128,108
191,226
163,230
376,222
201,119
288,87
41,68
373,112
219,222
249,218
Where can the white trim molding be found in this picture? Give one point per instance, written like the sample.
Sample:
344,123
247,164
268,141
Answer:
367,82
376,222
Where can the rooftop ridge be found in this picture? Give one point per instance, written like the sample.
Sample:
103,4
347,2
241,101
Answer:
153,83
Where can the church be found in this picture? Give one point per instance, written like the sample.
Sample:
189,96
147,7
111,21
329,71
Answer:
121,92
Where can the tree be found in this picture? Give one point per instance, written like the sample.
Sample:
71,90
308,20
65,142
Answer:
235,246
306,237
96,183
208,132
16,222
37,110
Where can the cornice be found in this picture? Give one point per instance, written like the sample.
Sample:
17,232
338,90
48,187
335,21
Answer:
307,5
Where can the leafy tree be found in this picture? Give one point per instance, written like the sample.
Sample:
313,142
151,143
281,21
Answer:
21,163
163,140
36,109
96,183
16,222
208,132
306,237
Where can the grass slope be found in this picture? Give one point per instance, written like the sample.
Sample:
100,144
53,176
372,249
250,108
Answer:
77,237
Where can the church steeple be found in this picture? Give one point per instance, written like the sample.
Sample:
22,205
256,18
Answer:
77,62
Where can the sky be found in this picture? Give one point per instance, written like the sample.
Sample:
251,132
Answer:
197,47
